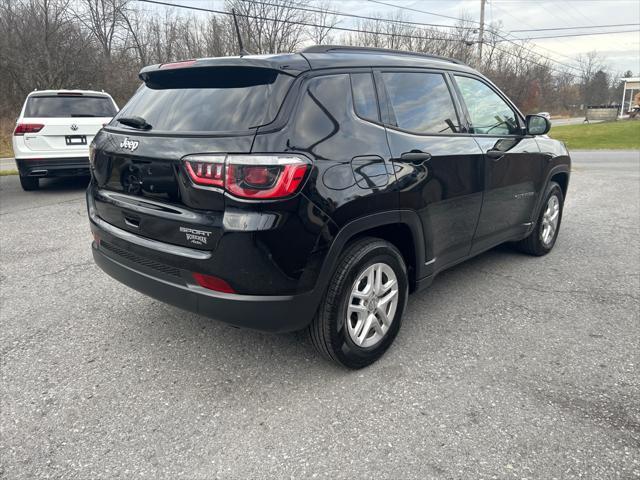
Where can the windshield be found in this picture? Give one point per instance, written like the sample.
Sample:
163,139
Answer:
209,100
69,106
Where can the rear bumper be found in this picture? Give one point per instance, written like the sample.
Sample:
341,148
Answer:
267,313
53,167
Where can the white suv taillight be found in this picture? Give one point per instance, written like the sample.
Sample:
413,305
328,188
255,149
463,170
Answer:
259,177
23,128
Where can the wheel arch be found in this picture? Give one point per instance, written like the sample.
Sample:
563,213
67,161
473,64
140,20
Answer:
559,174
562,179
402,228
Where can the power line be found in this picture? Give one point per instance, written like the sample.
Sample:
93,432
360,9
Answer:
421,11
564,72
363,17
305,24
580,12
554,52
568,11
294,22
504,38
343,14
574,28
334,12
579,34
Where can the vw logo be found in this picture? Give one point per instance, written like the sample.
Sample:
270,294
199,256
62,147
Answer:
74,127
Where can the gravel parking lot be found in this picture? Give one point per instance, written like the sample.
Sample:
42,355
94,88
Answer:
507,367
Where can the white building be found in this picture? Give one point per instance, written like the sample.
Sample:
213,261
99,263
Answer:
632,86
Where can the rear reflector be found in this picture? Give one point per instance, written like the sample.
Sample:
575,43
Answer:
259,177
23,128
213,283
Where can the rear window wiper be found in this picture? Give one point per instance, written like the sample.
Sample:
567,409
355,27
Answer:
135,122
83,115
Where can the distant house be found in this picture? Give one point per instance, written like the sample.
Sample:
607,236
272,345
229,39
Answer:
631,88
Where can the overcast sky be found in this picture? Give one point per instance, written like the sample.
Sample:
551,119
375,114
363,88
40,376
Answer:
620,51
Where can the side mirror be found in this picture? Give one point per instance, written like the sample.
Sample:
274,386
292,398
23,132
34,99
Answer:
537,125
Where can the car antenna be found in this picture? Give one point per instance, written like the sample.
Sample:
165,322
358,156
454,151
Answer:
243,52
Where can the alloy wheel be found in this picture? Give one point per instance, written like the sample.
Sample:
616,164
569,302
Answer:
372,305
550,219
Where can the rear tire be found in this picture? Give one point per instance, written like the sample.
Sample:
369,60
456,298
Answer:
361,311
543,237
29,183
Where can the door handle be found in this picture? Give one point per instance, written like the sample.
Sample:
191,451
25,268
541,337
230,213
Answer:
495,154
415,157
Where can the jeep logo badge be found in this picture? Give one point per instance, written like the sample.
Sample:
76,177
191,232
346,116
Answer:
129,144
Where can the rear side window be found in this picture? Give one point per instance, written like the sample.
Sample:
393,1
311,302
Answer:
421,102
209,99
365,100
69,106
489,114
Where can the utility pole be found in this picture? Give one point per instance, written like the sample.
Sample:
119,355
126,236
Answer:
481,34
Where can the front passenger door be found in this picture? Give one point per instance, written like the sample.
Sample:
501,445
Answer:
513,164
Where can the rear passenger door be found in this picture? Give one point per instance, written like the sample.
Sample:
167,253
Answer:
513,163
438,167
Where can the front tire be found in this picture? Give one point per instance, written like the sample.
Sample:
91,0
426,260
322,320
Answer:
361,311
542,239
29,183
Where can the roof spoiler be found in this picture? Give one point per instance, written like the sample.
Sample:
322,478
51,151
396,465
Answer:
291,64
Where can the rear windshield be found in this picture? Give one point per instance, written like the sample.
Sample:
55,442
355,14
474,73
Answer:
209,99
69,106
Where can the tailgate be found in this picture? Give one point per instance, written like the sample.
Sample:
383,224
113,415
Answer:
149,193
142,183
63,134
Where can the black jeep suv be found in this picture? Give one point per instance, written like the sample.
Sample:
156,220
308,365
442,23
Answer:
315,190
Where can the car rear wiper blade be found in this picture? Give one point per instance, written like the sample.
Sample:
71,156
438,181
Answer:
135,122
82,115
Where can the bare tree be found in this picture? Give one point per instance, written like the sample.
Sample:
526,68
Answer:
219,36
590,64
104,43
270,26
325,21
136,35
40,47
104,19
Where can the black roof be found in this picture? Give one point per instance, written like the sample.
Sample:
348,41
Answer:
321,57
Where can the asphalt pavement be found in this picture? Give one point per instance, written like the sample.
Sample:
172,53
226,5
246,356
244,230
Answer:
509,366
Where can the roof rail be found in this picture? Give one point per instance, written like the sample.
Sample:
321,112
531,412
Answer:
347,48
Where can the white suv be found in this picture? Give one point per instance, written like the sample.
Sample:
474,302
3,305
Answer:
54,131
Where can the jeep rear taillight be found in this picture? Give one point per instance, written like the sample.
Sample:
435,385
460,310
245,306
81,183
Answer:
258,177
264,176
23,128
206,170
